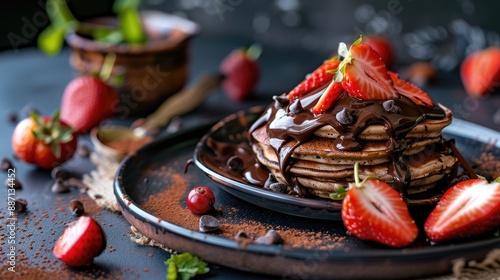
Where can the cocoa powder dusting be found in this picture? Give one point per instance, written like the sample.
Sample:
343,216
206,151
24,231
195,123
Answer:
169,205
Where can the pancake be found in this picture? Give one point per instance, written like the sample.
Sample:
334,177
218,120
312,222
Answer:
315,153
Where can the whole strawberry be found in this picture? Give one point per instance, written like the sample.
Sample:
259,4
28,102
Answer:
44,141
242,72
480,71
469,208
86,102
80,242
373,210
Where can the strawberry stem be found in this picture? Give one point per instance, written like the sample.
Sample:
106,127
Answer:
107,66
254,51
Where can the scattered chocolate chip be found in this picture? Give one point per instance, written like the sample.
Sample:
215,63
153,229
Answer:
278,187
174,125
270,179
76,207
271,237
59,186
459,179
280,101
97,196
235,163
11,117
208,223
83,151
20,205
344,117
77,183
296,107
6,164
241,235
13,183
59,173
390,108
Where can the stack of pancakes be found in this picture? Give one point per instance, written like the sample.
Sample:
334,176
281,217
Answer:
318,166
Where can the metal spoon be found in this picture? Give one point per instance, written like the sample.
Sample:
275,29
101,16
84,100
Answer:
176,105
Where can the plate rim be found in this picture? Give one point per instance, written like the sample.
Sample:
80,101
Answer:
334,256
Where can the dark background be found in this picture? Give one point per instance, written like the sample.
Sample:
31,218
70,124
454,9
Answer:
315,26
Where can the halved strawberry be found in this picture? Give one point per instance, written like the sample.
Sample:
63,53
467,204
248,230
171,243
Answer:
373,210
469,208
480,71
363,73
411,91
328,98
80,242
319,77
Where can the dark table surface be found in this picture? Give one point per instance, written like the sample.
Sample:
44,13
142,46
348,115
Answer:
28,78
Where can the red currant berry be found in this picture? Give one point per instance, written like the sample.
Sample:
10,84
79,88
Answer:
200,200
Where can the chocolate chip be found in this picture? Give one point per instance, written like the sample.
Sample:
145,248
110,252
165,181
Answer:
13,183
174,125
208,223
11,117
278,187
390,108
296,107
76,207
235,163
344,117
6,164
271,237
59,173
280,101
83,151
20,205
59,186
241,235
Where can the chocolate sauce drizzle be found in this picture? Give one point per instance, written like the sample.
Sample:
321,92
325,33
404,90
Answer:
350,116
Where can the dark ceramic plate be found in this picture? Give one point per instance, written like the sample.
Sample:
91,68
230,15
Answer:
470,139
142,176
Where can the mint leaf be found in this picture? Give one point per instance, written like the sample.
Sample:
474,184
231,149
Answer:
185,265
51,40
120,5
131,27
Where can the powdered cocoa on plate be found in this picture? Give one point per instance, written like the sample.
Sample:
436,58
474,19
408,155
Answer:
169,205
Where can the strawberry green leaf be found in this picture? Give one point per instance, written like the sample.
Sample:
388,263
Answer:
343,50
56,149
186,265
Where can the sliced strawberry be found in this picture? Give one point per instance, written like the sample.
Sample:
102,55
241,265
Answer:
363,73
469,208
383,46
411,91
319,77
480,71
328,98
80,243
372,210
